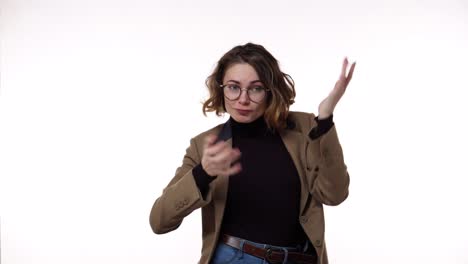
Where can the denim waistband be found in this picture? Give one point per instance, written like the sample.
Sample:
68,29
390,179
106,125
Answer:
299,248
240,243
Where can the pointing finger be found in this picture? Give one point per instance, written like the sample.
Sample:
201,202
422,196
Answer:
350,74
216,148
236,168
227,156
210,140
344,67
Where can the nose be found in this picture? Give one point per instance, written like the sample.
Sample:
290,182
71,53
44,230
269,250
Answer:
244,97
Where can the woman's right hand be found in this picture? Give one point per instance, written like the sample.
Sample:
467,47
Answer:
219,159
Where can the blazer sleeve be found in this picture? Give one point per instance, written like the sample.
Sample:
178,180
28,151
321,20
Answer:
180,197
330,178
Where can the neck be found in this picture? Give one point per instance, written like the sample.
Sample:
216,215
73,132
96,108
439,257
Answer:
257,127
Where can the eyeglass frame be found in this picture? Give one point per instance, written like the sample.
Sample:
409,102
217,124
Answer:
244,89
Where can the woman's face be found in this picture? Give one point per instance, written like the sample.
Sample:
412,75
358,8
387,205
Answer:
243,110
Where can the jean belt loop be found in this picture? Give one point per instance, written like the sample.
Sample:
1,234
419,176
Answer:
285,260
242,248
265,259
306,246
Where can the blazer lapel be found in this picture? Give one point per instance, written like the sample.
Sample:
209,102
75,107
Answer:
295,144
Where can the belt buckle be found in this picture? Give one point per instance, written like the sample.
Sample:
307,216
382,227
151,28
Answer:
269,251
268,254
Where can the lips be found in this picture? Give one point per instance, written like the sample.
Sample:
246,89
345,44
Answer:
243,112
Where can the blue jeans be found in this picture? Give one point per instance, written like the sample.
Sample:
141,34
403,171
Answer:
225,254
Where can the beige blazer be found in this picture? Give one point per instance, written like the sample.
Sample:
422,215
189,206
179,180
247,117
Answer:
319,162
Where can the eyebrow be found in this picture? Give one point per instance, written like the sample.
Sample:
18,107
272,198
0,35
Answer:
237,82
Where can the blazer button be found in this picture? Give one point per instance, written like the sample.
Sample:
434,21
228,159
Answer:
318,243
317,168
309,168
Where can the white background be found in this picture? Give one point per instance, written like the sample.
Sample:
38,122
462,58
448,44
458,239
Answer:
99,99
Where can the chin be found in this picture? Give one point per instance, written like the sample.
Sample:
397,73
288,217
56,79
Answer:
244,119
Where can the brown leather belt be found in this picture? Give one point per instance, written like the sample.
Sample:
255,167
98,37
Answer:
273,256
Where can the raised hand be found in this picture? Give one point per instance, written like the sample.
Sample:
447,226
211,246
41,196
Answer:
219,159
328,104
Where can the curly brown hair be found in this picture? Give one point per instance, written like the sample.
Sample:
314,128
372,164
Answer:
280,84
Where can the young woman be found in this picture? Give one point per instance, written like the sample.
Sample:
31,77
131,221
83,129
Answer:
262,177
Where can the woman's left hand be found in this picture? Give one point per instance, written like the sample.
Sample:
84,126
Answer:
327,106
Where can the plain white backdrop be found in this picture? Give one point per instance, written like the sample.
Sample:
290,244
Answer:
99,99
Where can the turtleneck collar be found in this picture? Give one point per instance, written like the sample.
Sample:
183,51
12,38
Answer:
252,129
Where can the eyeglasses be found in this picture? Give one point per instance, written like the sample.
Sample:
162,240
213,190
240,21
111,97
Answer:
255,93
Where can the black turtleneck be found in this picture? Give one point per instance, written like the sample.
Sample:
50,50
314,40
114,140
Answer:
263,199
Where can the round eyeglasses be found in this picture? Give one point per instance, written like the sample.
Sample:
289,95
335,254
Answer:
255,93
